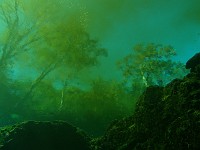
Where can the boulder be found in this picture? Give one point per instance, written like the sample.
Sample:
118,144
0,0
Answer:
193,63
37,135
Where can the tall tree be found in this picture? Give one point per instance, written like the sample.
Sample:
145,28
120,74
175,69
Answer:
151,64
68,48
50,38
66,45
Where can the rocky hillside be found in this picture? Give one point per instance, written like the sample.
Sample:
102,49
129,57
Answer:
166,118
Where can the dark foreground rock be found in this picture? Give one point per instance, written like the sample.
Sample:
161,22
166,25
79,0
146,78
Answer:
33,135
166,118
194,63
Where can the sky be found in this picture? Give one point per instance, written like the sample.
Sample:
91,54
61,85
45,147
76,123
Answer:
120,24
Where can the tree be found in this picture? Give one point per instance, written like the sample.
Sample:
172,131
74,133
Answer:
69,48
65,44
49,39
151,64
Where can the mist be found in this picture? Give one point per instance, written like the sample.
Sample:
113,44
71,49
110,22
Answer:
119,25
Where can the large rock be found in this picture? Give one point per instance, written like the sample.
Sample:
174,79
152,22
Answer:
33,135
194,63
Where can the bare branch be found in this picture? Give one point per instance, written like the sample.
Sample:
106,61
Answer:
17,40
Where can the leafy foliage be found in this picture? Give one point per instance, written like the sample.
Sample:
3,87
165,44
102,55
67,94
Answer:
151,64
45,41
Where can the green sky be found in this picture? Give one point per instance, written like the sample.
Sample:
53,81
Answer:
120,24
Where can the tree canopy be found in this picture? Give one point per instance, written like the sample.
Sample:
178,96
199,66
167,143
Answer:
50,38
151,64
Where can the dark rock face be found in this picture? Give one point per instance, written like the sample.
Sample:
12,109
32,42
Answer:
165,118
194,63
34,135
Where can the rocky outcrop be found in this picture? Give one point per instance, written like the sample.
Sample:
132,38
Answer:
165,118
33,135
194,63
